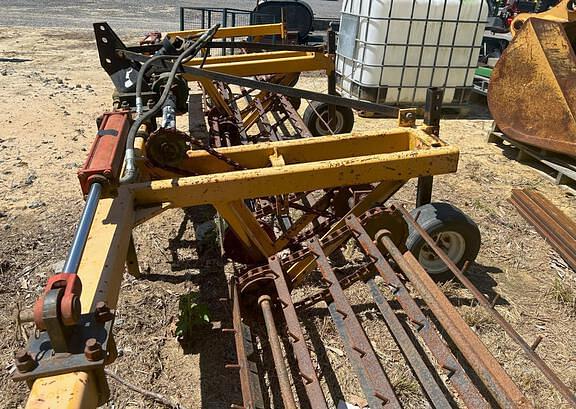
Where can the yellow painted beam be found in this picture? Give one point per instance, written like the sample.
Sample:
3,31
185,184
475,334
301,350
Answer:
256,30
68,391
255,66
251,183
309,149
247,58
100,271
246,227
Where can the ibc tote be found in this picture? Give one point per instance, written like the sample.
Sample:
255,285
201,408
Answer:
391,51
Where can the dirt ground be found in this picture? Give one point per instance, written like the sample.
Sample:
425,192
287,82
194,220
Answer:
54,89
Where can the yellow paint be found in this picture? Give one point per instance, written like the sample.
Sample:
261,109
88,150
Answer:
302,177
276,62
239,31
100,271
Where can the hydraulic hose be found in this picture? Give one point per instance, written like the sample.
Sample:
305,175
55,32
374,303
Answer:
189,53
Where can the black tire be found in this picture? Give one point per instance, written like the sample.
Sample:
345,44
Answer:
316,117
458,230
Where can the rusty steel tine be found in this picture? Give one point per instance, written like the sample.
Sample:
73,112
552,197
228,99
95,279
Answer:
245,383
494,301
536,342
549,222
533,356
277,354
280,124
234,107
553,212
459,379
305,365
504,390
356,364
356,337
263,123
435,393
294,117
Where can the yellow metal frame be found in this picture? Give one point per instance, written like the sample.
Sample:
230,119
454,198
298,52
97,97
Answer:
257,30
388,158
274,62
253,64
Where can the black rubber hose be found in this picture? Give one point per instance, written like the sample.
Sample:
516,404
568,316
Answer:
189,53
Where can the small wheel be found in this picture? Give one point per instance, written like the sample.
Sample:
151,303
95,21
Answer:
455,233
316,119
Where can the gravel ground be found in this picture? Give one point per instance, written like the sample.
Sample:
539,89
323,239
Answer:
130,14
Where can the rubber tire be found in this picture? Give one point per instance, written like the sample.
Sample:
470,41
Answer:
439,217
311,118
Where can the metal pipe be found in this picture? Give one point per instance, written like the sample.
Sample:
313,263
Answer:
81,236
533,356
277,355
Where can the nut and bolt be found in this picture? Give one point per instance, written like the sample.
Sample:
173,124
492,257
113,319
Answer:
24,361
103,312
93,350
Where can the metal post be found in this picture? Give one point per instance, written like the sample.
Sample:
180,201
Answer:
331,75
424,190
181,18
81,235
433,108
277,355
132,265
432,114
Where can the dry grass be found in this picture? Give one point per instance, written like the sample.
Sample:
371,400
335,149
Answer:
563,293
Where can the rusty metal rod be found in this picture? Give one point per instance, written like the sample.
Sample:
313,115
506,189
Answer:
295,119
425,328
421,370
305,365
245,384
559,217
380,392
277,355
549,222
480,359
532,355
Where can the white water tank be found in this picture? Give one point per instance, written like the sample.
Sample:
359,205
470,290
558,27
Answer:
391,51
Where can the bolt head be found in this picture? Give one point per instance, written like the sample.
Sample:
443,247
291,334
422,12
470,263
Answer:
24,361
103,312
93,350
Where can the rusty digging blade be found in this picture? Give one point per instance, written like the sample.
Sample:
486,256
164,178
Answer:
460,373
532,94
549,221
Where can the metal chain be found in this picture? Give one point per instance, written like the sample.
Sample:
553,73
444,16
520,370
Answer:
199,144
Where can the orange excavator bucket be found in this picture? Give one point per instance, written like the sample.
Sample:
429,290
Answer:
532,94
